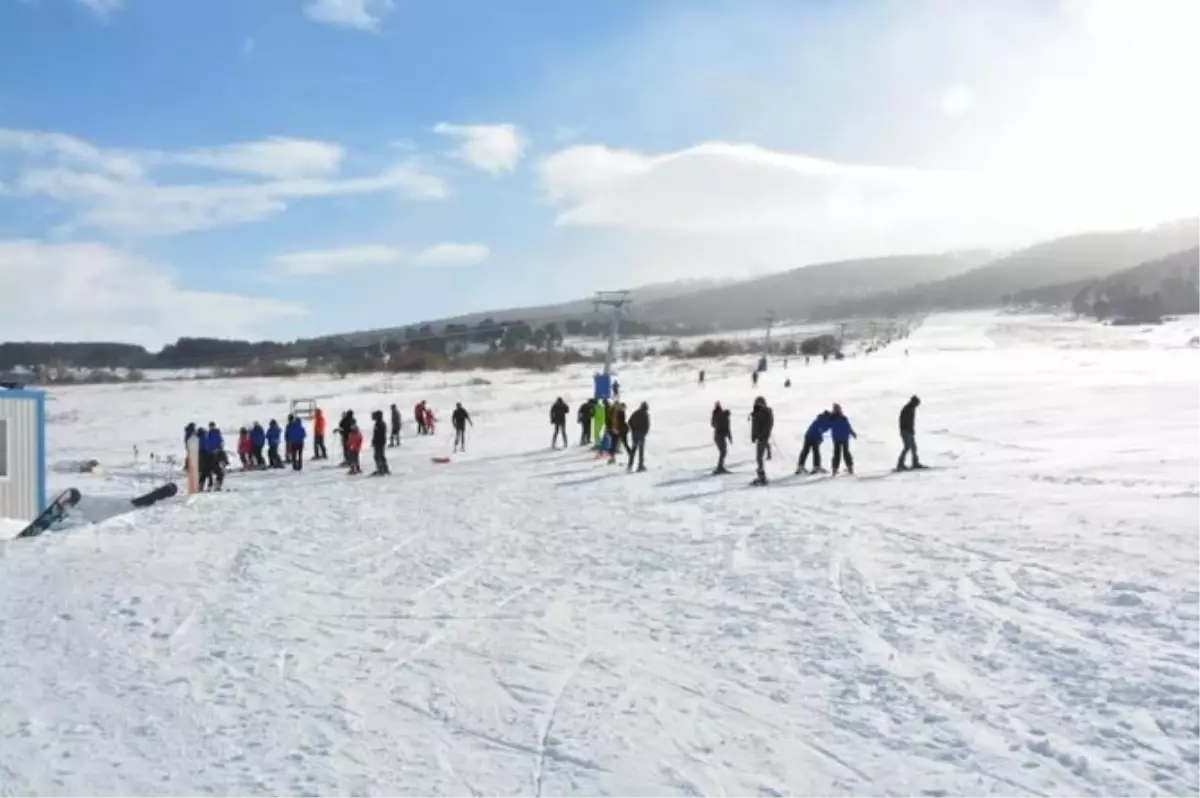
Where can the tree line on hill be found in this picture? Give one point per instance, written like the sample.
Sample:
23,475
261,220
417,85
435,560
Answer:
499,339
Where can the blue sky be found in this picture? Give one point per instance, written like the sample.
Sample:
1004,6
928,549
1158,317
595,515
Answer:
286,168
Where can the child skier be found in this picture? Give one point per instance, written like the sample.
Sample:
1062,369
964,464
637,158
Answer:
354,444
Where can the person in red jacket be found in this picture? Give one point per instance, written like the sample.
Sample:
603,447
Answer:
354,444
244,449
319,452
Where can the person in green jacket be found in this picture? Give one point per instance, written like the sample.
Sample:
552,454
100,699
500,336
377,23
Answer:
599,418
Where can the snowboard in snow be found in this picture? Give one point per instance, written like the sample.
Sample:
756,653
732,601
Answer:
156,495
52,514
440,460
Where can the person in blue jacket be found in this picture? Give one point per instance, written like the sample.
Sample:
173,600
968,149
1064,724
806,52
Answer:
812,443
214,442
841,432
258,439
295,434
273,435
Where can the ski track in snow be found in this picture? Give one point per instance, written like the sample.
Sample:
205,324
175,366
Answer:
1022,620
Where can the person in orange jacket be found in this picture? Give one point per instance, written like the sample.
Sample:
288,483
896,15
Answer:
319,452
354,444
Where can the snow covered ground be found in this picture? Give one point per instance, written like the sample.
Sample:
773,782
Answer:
1022,620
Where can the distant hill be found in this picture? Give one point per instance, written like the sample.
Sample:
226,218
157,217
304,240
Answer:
1058,262
794,294
1167,286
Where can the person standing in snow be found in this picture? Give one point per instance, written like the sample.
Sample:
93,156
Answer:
379,436
295,439
762,424
558,418
616,389
639,428
754,378
908,423
618,429
460,418
203,458
813,437
245,453
215,443
354,444
188,432
346,423
273,435
419,416
319,452
584,417
599,420
258,439
287,443
394,439
841,431
722,436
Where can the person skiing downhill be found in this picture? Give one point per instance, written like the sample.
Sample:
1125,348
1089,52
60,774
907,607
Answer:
319,452
394,440
841,431
762,423
813,437
558,418
379,437
460,418
639,428
584,417
722,436
908,420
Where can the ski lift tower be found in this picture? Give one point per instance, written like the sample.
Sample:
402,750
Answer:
616,301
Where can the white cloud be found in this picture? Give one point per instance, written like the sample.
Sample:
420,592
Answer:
335,261
452,255
365,15
738,203
495,149
102,8
91,291
113,189
278,156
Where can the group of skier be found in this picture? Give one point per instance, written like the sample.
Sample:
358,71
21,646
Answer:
213,461
833,421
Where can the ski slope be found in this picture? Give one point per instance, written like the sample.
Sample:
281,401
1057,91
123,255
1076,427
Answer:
1022,620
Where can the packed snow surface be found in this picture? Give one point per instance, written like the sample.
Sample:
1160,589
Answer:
1020,620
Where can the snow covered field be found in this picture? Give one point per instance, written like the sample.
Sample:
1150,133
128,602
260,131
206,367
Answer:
1022,620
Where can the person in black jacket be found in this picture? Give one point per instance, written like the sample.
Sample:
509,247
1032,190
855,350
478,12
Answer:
558,417
460,418
639,428
394,438
762,422
908,422
379,439
584,416
722,435
344,426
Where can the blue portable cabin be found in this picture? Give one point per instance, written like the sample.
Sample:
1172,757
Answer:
602,385
22,453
